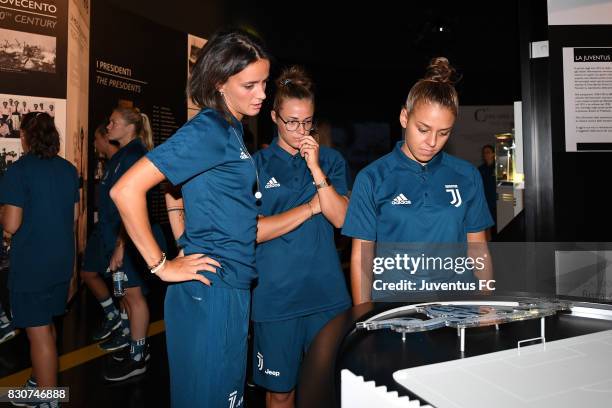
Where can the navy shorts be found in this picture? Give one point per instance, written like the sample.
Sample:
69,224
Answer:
279,347
97,259
206,336
32,309
134,265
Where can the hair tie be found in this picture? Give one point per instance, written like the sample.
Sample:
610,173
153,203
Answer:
286,82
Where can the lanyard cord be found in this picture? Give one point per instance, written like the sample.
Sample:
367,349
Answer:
258,194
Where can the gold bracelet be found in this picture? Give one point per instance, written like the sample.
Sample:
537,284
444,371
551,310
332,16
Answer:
175,209
311,210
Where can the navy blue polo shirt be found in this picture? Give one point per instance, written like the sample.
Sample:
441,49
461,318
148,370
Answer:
208,158
396,199
299,273
42,249
109,220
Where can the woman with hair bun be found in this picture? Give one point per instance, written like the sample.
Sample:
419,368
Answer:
417,193
40,192
300,284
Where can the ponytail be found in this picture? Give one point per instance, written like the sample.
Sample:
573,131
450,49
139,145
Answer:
141,122
146,133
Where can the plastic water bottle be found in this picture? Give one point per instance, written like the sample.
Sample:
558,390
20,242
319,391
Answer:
119,281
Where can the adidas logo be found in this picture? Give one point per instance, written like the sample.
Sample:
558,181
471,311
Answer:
272,183
243,155
401,200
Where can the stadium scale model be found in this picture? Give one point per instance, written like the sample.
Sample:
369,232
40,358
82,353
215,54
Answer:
465,314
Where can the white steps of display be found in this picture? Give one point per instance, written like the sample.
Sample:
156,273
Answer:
358,393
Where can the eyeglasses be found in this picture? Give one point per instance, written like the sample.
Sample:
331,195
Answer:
293,125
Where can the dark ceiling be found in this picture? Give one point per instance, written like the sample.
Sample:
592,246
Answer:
365,56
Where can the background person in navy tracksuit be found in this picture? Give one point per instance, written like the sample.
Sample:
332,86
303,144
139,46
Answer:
487,172
207,313
109,248
417,193
40,192
132,131
300,285
96,259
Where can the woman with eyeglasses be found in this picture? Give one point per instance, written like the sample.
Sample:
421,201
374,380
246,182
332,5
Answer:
300,284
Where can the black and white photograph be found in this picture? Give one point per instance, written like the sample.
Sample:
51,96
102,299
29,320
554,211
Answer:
20,51
10,151
14,107
194,46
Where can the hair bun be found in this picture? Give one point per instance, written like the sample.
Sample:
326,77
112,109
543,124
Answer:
293,83
295,76
440,70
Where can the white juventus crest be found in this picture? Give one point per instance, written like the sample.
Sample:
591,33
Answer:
232,399
454,190
259,361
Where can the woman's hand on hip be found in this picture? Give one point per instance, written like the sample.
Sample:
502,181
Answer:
186,268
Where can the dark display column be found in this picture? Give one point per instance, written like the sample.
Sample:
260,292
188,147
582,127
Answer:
137,63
